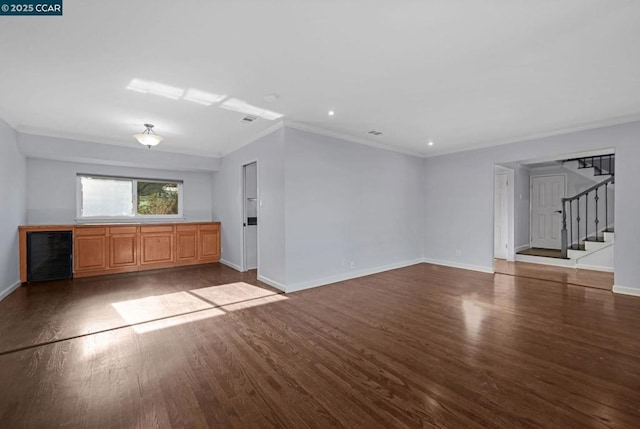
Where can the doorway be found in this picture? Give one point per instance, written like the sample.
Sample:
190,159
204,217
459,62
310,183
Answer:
250,215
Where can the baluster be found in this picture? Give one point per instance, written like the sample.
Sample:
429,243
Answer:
571,222
596,221
563,233
578,219
606,206
586,216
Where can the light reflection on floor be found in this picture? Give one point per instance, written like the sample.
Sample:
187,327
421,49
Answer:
162,311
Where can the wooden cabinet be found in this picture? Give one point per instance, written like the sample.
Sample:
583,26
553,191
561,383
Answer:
90,249
123,247
156,246
208,243
108,249
187,244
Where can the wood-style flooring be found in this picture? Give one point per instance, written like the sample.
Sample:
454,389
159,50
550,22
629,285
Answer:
580,277
422,346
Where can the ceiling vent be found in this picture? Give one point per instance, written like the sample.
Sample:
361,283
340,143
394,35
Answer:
375,133
248,119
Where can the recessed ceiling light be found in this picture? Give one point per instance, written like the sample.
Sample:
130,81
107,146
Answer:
202,97
271,98
246,108
430,143
331,113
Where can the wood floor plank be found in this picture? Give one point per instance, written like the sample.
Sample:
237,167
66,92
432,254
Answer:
422,346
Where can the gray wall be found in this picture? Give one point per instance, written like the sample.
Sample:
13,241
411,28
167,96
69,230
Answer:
227,206
464,215
51,189
13,177
347,202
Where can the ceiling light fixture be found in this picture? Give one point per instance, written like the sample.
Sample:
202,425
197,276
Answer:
430,143
246,108
148,137
331,113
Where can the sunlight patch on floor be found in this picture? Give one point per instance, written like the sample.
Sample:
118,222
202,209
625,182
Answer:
162,311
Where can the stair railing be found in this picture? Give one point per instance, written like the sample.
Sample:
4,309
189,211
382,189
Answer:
604,165
568,239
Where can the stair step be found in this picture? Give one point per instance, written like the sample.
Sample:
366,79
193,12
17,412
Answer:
594,239
609,230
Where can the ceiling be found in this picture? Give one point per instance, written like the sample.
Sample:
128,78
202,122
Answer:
466,74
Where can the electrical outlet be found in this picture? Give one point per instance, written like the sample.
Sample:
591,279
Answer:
352,265
458,252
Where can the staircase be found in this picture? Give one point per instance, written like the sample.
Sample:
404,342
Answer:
587,232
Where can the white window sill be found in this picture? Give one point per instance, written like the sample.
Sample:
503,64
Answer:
137,219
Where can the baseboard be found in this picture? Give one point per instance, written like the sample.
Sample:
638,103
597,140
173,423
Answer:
626,290
454,264
523,247
594,268
350,275
9,289
273,283
231,265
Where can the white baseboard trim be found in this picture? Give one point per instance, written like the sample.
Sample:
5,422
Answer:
594,268
231,265
622,290
273,283
9,289
454,264
350,275
523,247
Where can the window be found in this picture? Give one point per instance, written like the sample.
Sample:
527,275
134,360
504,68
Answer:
101,197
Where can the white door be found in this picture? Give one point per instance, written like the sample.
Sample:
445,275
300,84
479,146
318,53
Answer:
546,211
500,239
250,216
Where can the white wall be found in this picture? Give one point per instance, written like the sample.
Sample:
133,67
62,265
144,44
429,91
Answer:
268,151
136,156
347,202
463,214
13,193
51,189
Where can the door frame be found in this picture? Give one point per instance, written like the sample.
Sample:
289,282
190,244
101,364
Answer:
243,259
566,187
511,189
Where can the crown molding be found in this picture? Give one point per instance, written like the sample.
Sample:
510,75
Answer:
344,136
620,120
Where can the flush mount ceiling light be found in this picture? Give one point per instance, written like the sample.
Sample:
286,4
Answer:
430,143
331,113
148,137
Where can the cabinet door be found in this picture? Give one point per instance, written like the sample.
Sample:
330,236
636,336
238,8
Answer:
209,243
90,253
186,244
123,246
123,250
156,246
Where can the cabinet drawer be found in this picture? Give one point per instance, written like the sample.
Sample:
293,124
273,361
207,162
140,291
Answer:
123,230
185,228
157,228
210,227
90,230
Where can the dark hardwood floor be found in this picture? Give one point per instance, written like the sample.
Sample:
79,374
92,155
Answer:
422,346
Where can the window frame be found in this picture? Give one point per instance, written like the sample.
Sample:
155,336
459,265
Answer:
134,183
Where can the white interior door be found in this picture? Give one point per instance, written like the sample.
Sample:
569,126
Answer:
546,210
501,216
250,220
